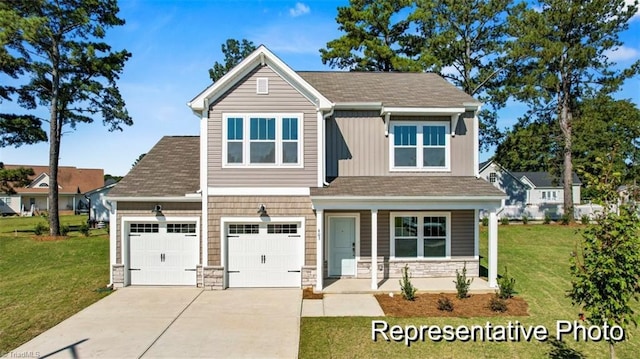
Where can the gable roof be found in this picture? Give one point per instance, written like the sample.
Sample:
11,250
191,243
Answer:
71,180
544,179
392,89
170,169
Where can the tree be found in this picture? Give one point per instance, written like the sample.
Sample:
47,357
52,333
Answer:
528,146
9,178
234,51
135,163
69,69
606,267
561,48
17,130
373,40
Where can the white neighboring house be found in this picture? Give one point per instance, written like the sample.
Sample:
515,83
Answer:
543,190
98,212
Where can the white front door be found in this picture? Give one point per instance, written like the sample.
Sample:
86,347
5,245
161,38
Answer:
342,246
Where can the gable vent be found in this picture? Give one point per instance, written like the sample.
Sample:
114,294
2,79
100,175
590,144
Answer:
262,86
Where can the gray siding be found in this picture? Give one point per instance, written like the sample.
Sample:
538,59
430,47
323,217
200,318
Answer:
357,146
462,233
282,98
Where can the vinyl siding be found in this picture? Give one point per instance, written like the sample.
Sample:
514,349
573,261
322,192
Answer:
462,233
357,146
282,98
245,206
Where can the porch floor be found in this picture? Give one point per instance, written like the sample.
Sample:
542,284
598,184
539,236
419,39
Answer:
425,285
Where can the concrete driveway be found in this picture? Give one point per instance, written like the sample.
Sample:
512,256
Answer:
176,322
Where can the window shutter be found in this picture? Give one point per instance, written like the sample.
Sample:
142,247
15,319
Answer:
262,86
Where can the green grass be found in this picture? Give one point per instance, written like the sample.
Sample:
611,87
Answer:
537,256
26,224
45,282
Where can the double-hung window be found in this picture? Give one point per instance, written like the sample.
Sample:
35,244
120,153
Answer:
262,140
421,235
419,146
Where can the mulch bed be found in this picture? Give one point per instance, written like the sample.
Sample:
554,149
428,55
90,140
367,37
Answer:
426,305
49,238
307,293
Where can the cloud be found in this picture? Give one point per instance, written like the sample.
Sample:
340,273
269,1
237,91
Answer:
622,53
309,37
299,10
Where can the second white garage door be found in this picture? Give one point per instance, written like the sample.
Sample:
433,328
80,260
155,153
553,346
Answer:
265,254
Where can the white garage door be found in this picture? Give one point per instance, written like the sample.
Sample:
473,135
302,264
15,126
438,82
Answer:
163,253
265,255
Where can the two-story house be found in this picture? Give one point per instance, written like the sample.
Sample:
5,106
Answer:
301,176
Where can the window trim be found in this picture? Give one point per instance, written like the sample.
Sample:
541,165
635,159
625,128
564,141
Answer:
420,235
420,146
246,141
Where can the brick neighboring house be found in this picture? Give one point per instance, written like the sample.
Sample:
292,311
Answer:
297,177
72,183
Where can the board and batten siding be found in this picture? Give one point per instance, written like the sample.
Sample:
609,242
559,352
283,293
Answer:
357,146
282,98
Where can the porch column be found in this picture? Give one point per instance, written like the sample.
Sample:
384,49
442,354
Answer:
493,249
319,249
374,249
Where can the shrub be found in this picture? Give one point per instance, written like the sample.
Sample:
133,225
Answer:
506,285
585,219
485,221
40,228
462,283
504,221
407,289
445,304
84,229
498,304
525,219
565,219
547,218
64,230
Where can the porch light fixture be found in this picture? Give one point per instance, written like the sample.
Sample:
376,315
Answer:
157,209
262,210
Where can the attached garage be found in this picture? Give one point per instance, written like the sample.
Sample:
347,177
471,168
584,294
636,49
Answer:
265,254
162,252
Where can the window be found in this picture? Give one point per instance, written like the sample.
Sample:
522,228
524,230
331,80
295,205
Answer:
181,228
492,177
287,228
262,140
5,201
143,228
419,146
244,228
420,235
43,184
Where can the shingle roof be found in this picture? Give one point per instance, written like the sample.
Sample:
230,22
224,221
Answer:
70,179
394,89
401,186
544,179
170,168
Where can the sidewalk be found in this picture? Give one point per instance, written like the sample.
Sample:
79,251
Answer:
342,305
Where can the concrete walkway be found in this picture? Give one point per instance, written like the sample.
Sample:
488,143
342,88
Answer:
173,322
342,305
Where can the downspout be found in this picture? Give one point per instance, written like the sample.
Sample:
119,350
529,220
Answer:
324,147
112,237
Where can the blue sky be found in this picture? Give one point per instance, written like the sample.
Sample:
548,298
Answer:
174,43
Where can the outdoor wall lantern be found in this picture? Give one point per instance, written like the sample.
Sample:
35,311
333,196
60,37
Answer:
262,210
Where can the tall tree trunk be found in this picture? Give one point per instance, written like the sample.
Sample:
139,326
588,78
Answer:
567,173
612,351
54,144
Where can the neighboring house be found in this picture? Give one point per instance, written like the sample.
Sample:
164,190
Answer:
97,208
72,182
499,177
301,176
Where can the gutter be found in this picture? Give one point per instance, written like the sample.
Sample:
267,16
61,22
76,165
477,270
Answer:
324,147
156,199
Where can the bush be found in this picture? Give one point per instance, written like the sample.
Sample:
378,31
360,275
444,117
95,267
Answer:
407,289
485,221
64,230
40,228
462,283
565,219
504,221
506,285
498,304
525,219
585,219
84,229
547,218
445,304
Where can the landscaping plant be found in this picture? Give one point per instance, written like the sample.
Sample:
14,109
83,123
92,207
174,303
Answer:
506,285
445,304
485,221
462,283
585,219
504,221
84,229
64,230
565,219
525,219
547,218
407,289
40,228
498,304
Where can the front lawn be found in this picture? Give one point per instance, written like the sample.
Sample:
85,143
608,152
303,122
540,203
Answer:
45,282
537,256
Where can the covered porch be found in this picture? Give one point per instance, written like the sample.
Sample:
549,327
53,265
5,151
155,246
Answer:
370,228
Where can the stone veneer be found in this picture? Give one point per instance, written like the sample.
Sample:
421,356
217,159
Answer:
419,269
118,276
308,276
213,277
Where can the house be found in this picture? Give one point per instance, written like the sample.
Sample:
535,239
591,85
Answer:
97,208
297,177
33,198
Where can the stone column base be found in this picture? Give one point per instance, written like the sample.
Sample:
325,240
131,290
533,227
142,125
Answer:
213,278
308,276
118,276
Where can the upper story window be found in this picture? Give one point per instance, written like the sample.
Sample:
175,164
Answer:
267,140
419,146
492,177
